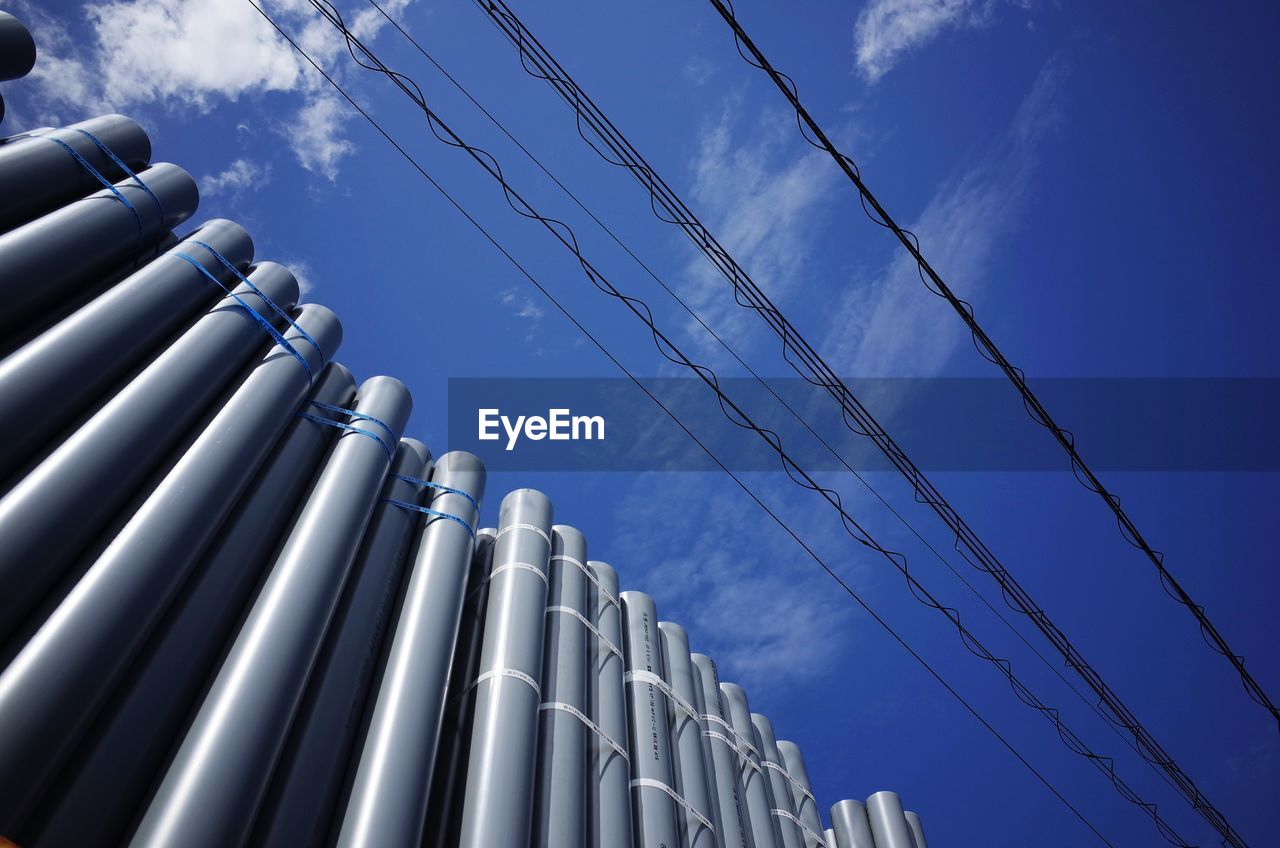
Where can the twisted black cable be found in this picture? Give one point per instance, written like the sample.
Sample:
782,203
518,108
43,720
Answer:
796,415
750,493
565,235
988,350
538,63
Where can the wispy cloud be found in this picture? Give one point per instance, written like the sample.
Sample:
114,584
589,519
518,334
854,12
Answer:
195,54
887,30
757,187
699,70
523,307
748,595
237,178
891,325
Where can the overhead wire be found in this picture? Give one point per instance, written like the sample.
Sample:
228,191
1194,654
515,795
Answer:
857,598
987,348
765,384
538,62
566,236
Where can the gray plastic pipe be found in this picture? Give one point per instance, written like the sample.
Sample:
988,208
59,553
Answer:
610,799
100,466
498,801
217,778
686,737
55,377
449,778
829,837
17,48
388,803
731,820
756,803
852,829
38,175
888,823
47,260
653,811
560,790
805,804
917,829
780,789
309,776
111,773
59,679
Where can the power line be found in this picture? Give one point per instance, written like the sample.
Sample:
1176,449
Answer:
988,350
750,493
568,239
799,418
537,61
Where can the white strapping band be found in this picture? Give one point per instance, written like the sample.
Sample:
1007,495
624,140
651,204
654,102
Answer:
517,566
641,676
739,742
647,783
742,755
799,787
613,649
786,814
535,528
586,569
499,673
588,723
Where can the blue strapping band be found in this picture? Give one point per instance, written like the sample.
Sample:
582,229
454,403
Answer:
446,489
110,154
97,175
233,269
351,428
435,513
351,412
257,316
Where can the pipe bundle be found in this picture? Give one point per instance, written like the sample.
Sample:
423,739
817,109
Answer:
239,607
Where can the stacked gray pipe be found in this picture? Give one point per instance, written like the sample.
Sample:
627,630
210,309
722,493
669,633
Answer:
757,806
37,175
61,373
786,820
653,809
889,827
449,777
685,727
308,778
55,684
733,826
917,829
806,806
610,799
388,803
217,779
113,768
47,260
17,48
852,829
118,449
560,795
241,639
498,801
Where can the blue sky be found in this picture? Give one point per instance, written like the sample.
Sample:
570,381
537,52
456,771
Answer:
1097,178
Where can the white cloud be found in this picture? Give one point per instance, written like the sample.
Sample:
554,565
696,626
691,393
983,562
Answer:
887,30
315,135
758,195
195,54
892,325
304,274
235,179
699,70
749,596
523,307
